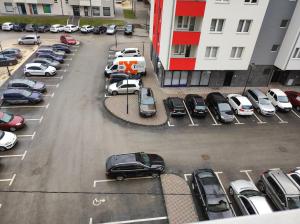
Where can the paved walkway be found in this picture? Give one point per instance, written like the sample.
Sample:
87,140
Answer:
178,200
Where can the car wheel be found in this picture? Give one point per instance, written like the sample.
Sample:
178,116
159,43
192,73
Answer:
12,129
154,175
47,74
120,178
261,186
27,74
114,93
231,191
136,92
20,42
2,149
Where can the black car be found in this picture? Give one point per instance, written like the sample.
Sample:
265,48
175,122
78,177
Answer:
43,28
19,27
99,29
176,106
219,106
7,61
210,194
21,96
195,105
31,27
134,164
119,76
129,29
27,84
60,47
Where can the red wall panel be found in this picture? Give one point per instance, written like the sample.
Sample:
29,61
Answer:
190,8
182,63
180,37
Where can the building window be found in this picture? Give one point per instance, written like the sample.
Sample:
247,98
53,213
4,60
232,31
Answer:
55,1
179,49
47,8
211,52
296,53
236,52
186,22
106,11
284,23
275,47
217,25
67,1
96,11
250,1
8,7
244,26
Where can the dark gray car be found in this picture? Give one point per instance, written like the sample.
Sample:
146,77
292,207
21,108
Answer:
47,61
27,84
147,107
210,194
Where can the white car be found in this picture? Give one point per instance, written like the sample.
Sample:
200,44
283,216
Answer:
71,28
39,69
57,28
294,175
112,29
86,29
279,100
7,26
240,104
128,52
7,140
120,87
248,198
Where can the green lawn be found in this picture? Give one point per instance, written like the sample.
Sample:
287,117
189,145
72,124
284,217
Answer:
128,14
100,21
35,19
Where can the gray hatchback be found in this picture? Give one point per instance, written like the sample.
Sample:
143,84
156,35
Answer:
147,107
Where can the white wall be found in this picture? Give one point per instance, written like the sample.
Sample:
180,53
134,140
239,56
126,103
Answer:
151,19
284,59
232,12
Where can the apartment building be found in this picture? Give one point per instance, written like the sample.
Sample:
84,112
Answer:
95,8
224,42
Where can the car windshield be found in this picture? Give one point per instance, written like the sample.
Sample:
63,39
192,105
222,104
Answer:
264,101
250,193
6,117
223,107
1,134
293,202
283,99
25,93
29,82
119,83
200,107
143,158
148,101
220,207
247,107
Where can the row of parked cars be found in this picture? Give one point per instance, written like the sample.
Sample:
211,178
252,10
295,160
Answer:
224,108
10,56
70,28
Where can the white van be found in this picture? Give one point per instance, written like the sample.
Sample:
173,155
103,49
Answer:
129,65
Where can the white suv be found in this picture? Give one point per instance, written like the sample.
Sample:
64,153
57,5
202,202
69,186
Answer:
57,28
240,104
71,28
39,69
86,29
120,87
279,100
7,26
128,52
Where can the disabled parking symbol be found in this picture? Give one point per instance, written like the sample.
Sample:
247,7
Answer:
97,202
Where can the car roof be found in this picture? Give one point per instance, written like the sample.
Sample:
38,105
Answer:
260,204
131,81
244,100
18,80
7,23
131,48
285,182
33,64
8,91
278,92
176,100
121,159
258,92
31,35
218,96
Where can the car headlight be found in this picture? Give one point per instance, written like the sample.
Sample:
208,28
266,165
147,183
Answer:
18,124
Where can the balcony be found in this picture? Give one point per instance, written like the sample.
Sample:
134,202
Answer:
182,63
186,38
190,8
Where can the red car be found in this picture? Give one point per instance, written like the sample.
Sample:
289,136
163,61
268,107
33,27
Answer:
67,39
294,98
10,122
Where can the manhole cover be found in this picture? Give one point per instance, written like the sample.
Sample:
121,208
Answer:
282,149
205,157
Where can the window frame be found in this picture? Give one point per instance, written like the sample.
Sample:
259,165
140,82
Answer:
217,25
282,22
235,51
244,21
211,49
11,5
296,53
250,2
104,9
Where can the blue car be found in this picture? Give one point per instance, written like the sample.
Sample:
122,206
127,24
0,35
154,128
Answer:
21,96
51,56
61,47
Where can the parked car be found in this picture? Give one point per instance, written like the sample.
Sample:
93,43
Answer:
47,62
279,100
12,52
294,98
7,61
67,39
39,70
70,28
295,176
99,29
129,29
19,27
175,106
86,29
196,105
134,164
120,76
52,56
121,87
21,96
219,107
240,104
7,140
28,84
128,52
56,28
29,39
261,102
209,193
280,189
61,47
43,28
248,198
50,50
147,106
10,122
31,27
112,29
8,26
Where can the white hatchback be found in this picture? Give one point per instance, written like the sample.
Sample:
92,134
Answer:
7,26
39,70
240,104
86,29
133,86
57,28
71,28
128,52
7,140
279,100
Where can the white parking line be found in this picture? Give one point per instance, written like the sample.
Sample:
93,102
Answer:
72,54
295,113
68,65
31,106
27,136
35,119
68,59
11,180
107,96
247,173
49,95
259,120
216,123
15,155
186,176
134,220
57,85
238,122
170,125
192,122
51,77
114,180
62,70
280,120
